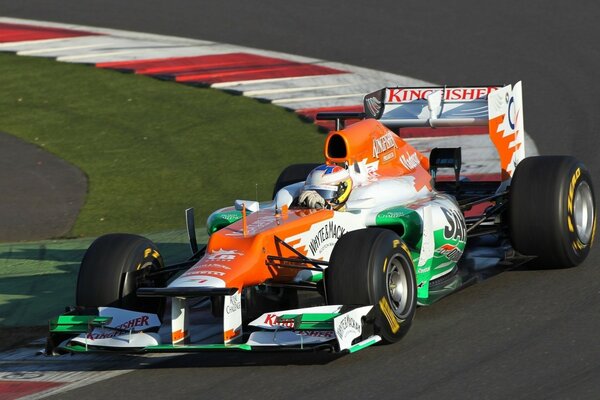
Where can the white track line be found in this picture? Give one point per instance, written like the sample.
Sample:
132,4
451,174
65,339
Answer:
11,45
91,56
236,84
358,96
262,92
58,49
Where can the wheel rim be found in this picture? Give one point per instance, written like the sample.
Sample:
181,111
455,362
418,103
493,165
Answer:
398,286
583,210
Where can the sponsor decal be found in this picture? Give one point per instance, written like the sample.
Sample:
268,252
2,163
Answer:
383,144
423,270
511,103
328,231
574,179
452,94
576,243
388,157
223,255
109,332
347,326
234,305
151,252
128,320
385,308
393,214
373,105
410,161
232,316
316,334
275,320
136,322
456,228
451,252
102,334
319,240
209,272
201,271
405,247
593,232
213,265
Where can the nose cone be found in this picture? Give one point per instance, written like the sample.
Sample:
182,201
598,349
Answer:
235,260
221,268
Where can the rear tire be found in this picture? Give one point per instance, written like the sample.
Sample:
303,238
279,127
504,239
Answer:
293,174
552,210
103,279
373,267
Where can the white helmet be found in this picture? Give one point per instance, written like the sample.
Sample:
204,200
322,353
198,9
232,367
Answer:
332,182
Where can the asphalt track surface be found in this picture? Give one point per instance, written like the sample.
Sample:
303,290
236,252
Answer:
522,334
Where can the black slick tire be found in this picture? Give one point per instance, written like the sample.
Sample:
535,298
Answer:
113,268
373,267
552,211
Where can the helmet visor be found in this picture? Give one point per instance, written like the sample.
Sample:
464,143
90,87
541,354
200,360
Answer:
327,192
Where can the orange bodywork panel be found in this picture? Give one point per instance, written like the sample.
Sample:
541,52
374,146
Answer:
240,259
369,141
503,144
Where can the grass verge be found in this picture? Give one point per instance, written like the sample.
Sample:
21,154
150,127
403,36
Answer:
150,148
37,280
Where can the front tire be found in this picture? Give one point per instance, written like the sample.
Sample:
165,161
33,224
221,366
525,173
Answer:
105,277
552,210
373,267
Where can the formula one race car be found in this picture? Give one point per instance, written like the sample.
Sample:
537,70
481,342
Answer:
278,275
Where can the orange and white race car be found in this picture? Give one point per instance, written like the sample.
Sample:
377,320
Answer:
350,272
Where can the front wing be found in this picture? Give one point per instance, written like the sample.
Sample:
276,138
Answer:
334,328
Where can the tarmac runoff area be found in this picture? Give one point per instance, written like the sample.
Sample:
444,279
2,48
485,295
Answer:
42,194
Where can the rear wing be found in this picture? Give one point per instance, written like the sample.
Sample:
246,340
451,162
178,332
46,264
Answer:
500,108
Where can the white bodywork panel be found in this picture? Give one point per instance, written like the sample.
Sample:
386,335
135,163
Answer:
348,326
232,317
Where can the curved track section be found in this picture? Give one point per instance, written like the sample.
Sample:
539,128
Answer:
522,334
303,85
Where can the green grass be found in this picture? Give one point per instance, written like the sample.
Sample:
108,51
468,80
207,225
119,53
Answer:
150,148
37,280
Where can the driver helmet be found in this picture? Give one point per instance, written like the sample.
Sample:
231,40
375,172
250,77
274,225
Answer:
332,182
